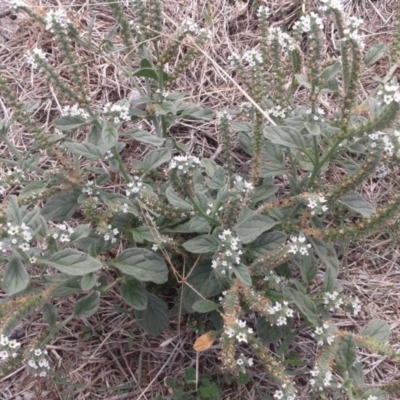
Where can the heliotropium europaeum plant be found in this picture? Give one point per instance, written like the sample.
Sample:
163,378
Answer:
245,247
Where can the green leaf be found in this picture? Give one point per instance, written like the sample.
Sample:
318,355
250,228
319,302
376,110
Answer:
303,81
266,242
80,231
156,158
175,200
326,252
201,282
377,329
308,267
346,353
312,128
252,228
204,306
134,294
197,113
375,53
155,319
72,262
62,206
88,150
13,211
69,123
30,106
356,203
165,108
203,244
145,137
242,273
142,264
304,304
50,314
330,72
88,281
87,306
109,135
15,278
146,73
284,136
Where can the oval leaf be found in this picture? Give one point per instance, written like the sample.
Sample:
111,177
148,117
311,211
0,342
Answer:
142,264
204,306
134,294
73,262
356,203
377,329
86,307
16,278
204,244
252,228
155,319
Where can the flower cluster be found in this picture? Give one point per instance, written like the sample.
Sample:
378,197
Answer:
223,115
234,59
14,4
281,395
316,203
8,347
90,189
389,93
184,163
239,330
351,30
324,333
111,234
304,24
190,27
38,364
286,42
354,305
243,361
119,112
390,142
323,380
18,235
134,186
274,279
57,19
299,245
279,313
33,56
263,12
75,111
242,185
332,5
62,233
252,58
229,253
277,111
332,300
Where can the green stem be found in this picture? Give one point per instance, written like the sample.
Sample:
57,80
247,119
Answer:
120,164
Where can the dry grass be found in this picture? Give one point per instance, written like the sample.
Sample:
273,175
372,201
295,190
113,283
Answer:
120,362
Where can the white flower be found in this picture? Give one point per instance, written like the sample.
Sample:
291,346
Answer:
241,337
38,352
250,362
241,323
230,332
239,361
278,394
57,19
154,247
